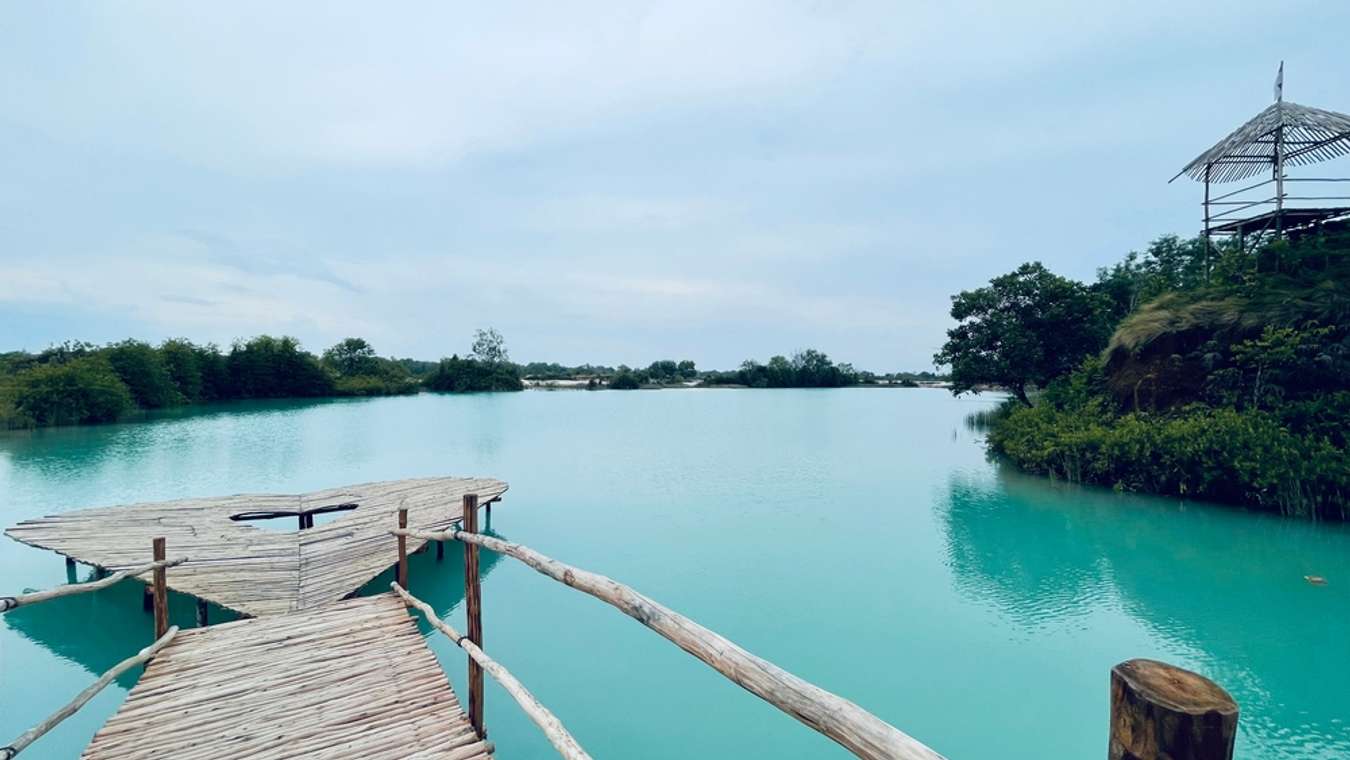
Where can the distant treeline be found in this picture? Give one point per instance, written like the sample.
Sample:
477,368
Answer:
81,383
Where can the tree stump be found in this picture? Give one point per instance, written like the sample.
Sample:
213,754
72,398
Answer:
1161,712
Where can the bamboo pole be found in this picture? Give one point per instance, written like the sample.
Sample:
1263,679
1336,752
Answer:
32,734
161,586
861,732
8,603
402,549
473,609
542,717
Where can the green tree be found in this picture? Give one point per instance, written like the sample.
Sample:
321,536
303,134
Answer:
352,357
1024,329
142,368
81,390
184,365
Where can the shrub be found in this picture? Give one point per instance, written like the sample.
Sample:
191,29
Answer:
625,381
84,390
143,370
456,375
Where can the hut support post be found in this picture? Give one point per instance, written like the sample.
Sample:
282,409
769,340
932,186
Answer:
403,549
201,613
473,606
161,590
1160,712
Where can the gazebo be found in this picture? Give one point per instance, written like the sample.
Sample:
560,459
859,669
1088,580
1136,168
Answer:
1282,136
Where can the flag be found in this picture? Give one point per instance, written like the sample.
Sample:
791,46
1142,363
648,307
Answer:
1279,84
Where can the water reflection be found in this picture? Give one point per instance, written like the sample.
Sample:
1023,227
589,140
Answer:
1222,587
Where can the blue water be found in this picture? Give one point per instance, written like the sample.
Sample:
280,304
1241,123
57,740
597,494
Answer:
859,538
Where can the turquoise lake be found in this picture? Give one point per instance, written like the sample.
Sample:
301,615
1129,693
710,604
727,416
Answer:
859,538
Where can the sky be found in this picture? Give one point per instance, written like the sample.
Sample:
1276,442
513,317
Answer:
605,182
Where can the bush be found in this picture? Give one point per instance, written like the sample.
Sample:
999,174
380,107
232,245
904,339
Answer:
456,375
625,381
84,390
1246,457
143,370
268,367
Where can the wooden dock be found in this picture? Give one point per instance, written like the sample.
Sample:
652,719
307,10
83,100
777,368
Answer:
254,571
351,679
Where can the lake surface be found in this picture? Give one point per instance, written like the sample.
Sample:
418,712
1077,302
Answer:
858,538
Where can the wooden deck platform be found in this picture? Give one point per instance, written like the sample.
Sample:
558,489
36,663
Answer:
254,571
351,679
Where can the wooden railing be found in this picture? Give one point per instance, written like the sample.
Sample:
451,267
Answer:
158,589
1158,710
861,732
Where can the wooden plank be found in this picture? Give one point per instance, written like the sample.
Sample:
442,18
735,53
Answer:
253,571
350,679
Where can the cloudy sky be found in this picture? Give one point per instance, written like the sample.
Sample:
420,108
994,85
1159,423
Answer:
612,182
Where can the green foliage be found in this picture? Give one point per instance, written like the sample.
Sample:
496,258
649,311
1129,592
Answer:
625,380
143,370
1232,383
352,357
1246,456
1024,329
80,390
456,375
806,369
268,367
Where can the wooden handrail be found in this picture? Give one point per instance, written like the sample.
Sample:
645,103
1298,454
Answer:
862,733
547,721
32,734
8,603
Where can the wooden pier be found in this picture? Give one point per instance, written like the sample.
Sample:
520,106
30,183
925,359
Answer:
254,571
354,678
350,679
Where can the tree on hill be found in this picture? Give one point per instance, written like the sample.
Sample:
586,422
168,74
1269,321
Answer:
1024,329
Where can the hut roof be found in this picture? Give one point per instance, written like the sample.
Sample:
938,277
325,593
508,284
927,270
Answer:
1310,135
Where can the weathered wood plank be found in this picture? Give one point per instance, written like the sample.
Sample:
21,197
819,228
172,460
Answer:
349,679
254,571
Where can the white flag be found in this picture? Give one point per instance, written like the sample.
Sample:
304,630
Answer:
1279,84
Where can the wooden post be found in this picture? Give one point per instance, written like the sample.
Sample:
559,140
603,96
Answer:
70,570
403,550
473,606
201,613
440,550
161,590
1161,712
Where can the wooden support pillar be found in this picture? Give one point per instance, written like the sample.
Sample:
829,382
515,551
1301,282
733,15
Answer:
70,563
440,550
403,549
201,613
1161,712
161,591
70,570
473,606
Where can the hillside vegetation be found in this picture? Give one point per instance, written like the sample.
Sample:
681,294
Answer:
1221,375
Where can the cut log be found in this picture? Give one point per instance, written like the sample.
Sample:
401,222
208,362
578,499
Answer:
1162,712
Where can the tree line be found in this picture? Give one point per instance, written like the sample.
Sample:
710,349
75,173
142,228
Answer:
1191,368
